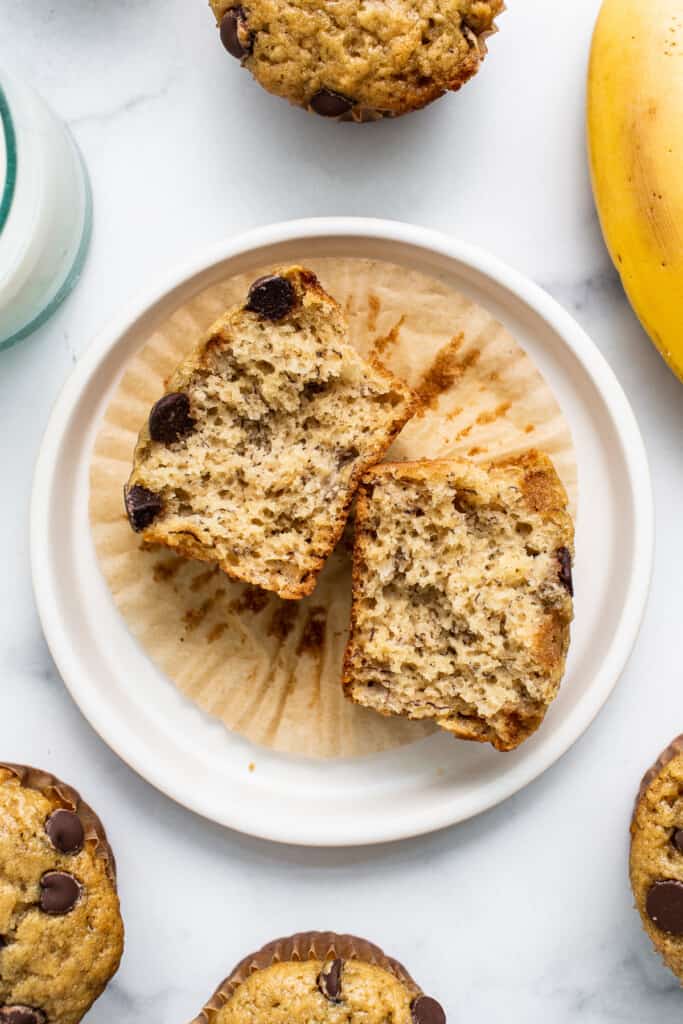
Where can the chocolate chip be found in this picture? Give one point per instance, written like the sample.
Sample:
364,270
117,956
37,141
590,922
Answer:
664,905
461,505
565,559
330,104
677,840
314,387
271,297
330,980
345,455
21,1015
59,892
3,941
170,418
426,1010
142,506
65,831
235,34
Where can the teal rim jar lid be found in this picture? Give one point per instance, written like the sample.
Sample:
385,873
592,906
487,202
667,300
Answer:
45,211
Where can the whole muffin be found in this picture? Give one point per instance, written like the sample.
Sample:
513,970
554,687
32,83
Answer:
358,61
656,864
61,934
320,976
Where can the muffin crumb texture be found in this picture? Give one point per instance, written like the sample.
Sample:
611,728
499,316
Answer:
462,595
656,862
61,935
344,58
252,458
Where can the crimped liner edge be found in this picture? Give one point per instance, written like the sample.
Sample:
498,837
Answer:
321,946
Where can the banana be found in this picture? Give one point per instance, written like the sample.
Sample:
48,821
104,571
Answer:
635,142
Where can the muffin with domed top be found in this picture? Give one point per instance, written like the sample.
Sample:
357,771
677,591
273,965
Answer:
358,61
321,977
61,933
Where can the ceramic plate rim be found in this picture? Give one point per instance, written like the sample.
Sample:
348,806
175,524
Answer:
490,267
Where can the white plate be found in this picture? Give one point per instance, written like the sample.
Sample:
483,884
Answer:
405,792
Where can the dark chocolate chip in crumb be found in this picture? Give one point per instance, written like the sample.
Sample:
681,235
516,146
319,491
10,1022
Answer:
21,1015
664,905
346,455
426,1010
170,418
59,892
677,840
314,387
330,104
565,559
3,941
330,980
235,34
271,297
65,831
142,506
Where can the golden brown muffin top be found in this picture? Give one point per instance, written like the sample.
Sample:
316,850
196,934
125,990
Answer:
321,977
349,58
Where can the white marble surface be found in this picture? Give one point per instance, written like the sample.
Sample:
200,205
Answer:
524,914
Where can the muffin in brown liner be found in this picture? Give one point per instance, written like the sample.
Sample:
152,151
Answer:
61,933
323,948
656,856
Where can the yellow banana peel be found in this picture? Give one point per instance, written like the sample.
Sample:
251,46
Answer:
635,141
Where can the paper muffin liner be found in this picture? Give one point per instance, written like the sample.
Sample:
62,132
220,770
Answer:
675,749
483,37
67,797
270,669
319,946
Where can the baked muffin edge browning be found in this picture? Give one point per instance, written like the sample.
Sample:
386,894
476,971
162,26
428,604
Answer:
462,594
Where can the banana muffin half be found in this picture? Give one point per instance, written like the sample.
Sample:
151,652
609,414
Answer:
462,594
251,459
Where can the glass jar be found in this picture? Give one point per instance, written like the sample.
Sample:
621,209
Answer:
45,211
